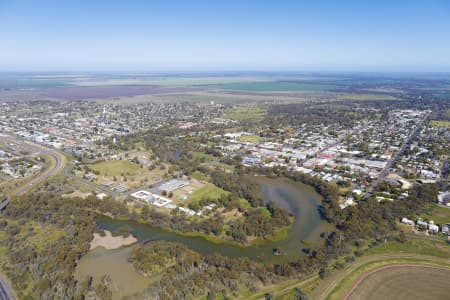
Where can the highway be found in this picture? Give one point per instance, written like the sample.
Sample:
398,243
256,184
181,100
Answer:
57,157
58,164
5,291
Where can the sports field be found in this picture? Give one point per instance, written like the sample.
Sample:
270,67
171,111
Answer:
402,282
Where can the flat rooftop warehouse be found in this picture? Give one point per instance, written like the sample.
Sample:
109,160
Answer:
151,198
173,185
142,195
115,187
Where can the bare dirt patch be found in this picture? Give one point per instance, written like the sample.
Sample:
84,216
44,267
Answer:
110,242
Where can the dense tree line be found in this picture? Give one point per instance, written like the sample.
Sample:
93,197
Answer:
348,112
186,274
296,114
238,186
38,265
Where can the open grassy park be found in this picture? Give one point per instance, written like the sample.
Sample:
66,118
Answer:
208,191
246,113
203,157
115,167
126,172
250,138
440,123
439,214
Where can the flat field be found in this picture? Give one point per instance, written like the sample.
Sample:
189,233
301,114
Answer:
402,282
133,175
440,123
274,86
439,214
246,113
115,167
250,138
209,191
363,97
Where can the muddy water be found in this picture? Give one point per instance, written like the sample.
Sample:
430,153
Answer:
125,280
299,199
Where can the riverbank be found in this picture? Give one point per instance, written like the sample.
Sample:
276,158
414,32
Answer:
416,250
299,199
125,279
109,242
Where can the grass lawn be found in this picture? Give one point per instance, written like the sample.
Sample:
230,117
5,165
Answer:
414,245
440,123
346,283
266,212
199,176
203,156
231,215
439,214
209,191
115,167
246,113
418,282
215,164
250,138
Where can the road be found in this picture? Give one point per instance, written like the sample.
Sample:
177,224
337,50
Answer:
394,159
5,291
57,157
52,171
444,170
92,185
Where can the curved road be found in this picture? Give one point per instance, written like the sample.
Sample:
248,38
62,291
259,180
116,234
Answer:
58,164
5,291
57,157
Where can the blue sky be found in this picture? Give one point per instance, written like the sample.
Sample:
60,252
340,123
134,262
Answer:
83,35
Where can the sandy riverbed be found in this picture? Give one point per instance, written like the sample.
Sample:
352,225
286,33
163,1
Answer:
110,242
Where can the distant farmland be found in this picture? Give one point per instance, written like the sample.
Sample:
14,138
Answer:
402,282
75,93
275,86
